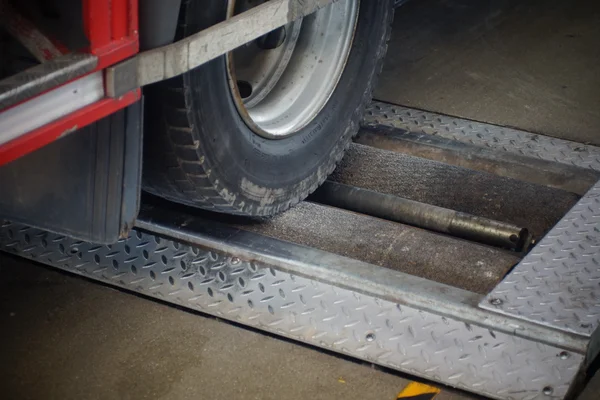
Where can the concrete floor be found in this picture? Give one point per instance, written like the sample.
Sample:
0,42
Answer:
530,64
64,337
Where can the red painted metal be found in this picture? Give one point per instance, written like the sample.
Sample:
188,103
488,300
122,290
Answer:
111,27
96,23
120,19
117,51
65,125
133,18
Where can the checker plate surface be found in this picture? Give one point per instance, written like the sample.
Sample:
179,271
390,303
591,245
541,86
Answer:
422,343
558,283
484,135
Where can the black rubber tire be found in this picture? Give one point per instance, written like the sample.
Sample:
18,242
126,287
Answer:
198,150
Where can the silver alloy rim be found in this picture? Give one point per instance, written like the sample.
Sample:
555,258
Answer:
279,90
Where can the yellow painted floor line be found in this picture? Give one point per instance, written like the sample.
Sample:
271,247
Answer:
418,391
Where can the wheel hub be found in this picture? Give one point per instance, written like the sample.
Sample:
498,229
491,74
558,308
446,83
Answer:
282,80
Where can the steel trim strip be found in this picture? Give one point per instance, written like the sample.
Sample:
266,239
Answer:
17,89
50,106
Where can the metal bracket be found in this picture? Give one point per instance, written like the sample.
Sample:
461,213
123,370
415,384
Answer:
121,78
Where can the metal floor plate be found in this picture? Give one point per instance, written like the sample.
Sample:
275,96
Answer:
485,135
557,283
361,322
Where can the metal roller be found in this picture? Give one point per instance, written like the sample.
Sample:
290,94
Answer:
439,219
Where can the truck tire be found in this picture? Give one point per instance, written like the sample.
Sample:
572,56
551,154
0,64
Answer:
205,146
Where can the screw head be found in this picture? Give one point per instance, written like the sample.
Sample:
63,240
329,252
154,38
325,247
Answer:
370,337
563,355
235,260
496,301
548,390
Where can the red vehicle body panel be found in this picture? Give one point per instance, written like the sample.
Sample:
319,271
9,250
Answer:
111,27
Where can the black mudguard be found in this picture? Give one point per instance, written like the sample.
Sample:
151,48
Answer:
85,185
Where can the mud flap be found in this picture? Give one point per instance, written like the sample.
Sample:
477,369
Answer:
85,185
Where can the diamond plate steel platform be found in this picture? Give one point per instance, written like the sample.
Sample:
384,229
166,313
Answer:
558,283
484,135
372,313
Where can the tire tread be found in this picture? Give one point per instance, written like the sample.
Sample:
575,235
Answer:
178,172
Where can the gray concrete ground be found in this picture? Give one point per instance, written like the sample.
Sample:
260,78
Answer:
63,337
530,64
592,390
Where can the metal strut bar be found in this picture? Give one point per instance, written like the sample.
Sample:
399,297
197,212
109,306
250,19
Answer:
184,55
427,216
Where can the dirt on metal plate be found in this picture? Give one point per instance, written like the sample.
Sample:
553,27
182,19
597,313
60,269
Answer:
415,251
535,207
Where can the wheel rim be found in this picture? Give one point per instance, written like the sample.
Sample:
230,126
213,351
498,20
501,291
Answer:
281,81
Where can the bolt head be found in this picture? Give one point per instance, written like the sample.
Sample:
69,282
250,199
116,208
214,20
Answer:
496,301
548,390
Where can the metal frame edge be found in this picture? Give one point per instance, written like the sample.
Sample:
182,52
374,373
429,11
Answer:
365,325
558,283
